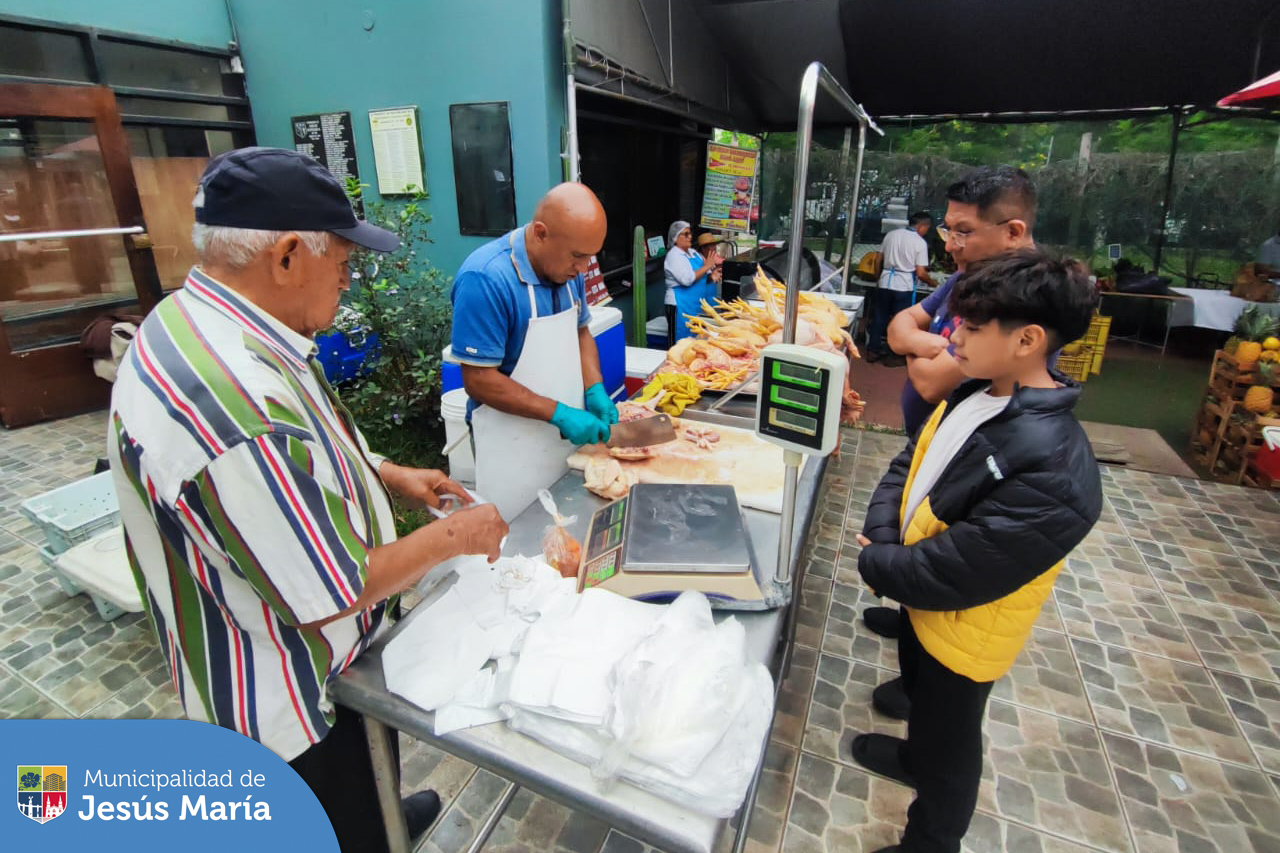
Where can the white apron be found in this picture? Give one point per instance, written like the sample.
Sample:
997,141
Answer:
516,456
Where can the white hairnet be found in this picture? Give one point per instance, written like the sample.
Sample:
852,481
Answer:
674,231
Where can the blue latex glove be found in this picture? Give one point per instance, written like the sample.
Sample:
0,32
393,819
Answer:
579,427
599,404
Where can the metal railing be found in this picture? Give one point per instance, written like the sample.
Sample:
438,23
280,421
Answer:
77,232
814,76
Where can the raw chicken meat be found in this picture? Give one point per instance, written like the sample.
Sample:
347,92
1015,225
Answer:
608,479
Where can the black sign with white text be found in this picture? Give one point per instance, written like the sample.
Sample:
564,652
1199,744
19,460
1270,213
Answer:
328,138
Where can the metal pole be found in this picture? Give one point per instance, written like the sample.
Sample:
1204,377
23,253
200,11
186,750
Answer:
1168,188
571,171
791,476
835,202
571,102
491,822
814,75
78,232
852,217
386,778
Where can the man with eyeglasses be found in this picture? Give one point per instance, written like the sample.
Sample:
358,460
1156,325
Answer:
990,210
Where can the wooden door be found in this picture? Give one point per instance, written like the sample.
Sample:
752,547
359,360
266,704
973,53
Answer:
73,244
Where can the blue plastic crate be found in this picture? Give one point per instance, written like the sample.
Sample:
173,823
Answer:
73,513
345,356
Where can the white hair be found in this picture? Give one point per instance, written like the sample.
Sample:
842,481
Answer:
235,248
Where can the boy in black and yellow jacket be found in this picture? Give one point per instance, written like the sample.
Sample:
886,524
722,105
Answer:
971,525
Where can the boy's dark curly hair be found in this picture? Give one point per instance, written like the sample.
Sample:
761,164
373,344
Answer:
1027,286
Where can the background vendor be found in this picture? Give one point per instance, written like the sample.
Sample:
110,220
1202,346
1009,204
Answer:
688,279
529,362
708,246
906,267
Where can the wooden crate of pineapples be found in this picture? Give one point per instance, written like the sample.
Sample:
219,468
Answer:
1243,393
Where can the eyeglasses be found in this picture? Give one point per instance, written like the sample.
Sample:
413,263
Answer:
951,235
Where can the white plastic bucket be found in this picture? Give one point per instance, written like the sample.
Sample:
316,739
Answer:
453,409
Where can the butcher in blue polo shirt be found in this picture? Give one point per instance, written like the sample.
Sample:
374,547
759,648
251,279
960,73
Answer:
529,362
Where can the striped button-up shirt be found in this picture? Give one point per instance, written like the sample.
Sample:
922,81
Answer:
250,502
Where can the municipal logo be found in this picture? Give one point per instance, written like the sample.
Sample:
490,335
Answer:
42,791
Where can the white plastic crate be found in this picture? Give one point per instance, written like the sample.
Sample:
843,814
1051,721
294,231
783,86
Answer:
107,609
74,513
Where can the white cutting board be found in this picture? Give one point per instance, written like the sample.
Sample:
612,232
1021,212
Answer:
753,467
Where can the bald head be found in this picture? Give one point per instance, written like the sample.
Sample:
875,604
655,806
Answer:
568,228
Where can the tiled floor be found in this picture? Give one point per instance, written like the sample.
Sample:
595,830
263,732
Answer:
1143,717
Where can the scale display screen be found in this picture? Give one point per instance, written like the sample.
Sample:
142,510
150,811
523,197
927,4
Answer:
798,374
790,420
794,397
606,529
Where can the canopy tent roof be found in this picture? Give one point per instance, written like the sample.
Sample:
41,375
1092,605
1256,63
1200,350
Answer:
1266,89
961,57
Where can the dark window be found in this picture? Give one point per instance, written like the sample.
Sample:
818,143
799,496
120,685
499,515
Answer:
482,171
174,109
39,53
150,67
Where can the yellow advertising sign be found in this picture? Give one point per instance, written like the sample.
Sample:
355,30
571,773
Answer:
728,197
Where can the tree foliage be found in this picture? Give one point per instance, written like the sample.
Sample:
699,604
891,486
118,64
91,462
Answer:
403,300
1226,190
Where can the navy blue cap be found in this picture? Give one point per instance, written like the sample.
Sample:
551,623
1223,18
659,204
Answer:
275,189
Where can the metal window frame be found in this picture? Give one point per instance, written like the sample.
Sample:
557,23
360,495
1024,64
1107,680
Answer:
90,38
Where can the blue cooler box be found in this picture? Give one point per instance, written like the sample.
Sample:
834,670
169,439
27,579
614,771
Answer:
343,357
611,339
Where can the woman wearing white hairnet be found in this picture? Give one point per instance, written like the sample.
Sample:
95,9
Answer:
688,281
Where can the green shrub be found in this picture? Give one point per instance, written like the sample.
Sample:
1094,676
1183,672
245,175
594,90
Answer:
403,300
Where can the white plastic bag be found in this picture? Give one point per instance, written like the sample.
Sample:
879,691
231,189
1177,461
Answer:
675,694
719,786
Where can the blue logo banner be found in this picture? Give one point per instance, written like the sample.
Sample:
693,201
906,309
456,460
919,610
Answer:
133,785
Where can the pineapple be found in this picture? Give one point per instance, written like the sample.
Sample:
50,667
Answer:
1260,398
1248,352
1251,329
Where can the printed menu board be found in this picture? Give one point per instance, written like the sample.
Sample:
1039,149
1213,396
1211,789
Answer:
729,194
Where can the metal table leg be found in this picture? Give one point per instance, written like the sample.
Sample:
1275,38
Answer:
386,776
1168,315
491,822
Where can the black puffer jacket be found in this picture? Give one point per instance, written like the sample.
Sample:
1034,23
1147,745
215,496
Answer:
1021,493
977,561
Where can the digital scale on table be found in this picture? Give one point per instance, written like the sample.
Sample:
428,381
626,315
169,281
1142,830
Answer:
663,539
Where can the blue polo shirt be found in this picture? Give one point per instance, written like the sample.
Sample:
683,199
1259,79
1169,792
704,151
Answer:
491,309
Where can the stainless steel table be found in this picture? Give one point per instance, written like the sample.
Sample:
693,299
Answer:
524,762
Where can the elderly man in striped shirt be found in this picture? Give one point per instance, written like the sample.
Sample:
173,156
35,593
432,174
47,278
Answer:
259,524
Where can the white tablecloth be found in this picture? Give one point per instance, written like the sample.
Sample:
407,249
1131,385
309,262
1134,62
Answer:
1212,309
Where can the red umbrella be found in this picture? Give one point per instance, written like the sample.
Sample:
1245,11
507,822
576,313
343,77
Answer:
1267,87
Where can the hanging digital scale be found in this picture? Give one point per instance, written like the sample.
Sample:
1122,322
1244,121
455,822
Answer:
798,406
662,539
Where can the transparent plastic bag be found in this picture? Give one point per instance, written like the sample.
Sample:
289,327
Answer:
559,547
